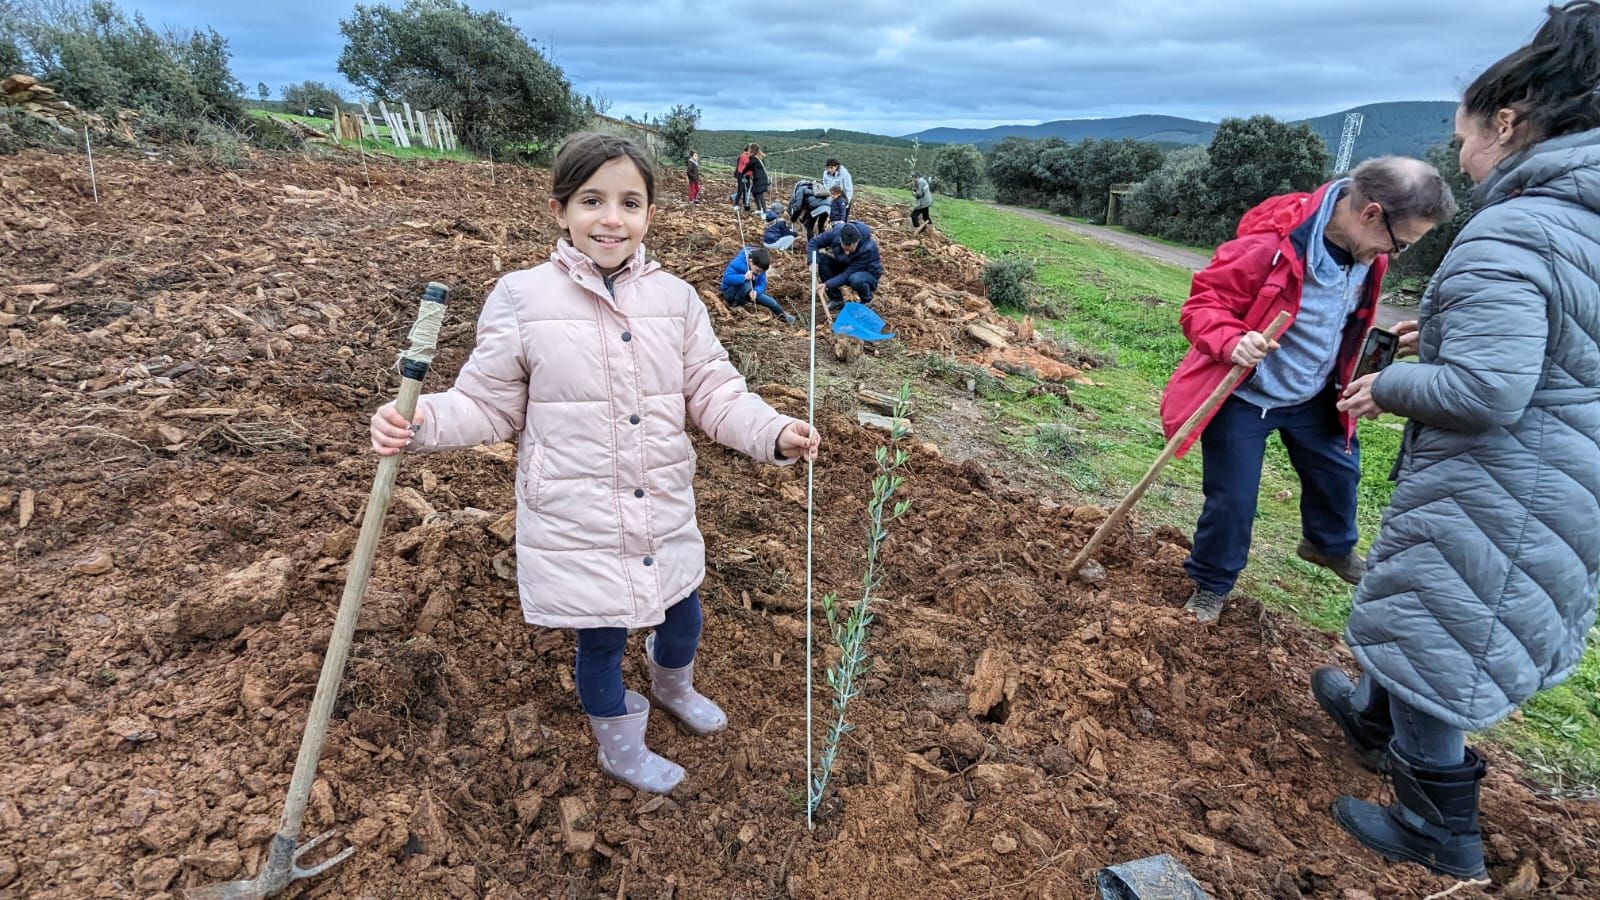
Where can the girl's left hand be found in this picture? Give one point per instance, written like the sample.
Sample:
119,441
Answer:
1358,400
799,441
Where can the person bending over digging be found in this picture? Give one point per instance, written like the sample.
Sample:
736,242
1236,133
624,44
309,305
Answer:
809,207
847,256
1483,580
744,281
1320,256
593,360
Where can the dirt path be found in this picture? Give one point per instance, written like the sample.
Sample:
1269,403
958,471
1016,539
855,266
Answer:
1175,256
1388,314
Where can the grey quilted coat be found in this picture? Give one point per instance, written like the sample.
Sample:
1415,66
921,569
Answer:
1483,577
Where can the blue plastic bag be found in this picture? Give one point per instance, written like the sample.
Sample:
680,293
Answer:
858,321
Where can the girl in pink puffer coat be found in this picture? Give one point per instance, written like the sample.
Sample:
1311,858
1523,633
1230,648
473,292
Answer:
594,360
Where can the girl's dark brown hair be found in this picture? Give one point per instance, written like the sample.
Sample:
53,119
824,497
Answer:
583,154
1551,82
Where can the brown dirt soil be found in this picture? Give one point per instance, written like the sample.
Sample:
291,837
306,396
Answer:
187,414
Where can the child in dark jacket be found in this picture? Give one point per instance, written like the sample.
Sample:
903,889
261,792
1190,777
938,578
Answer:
778,235
838,206
745,281
756,171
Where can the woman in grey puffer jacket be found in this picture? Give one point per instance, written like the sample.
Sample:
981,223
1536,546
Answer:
1482,581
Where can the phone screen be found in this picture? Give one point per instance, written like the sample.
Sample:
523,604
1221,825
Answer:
1377,353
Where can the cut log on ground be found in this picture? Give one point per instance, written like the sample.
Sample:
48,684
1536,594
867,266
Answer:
882,423
988,335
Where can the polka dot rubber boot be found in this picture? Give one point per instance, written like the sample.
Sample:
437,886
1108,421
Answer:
623,754
674,690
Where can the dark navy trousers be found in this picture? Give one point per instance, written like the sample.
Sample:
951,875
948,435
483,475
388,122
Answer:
1233,447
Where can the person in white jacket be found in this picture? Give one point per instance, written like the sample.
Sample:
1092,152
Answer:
834,172
922,205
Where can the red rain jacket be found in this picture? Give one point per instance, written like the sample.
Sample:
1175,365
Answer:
1251,278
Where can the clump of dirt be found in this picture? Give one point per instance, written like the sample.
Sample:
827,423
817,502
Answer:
192,363
396,689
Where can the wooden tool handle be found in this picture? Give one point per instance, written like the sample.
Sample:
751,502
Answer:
1229,382
413,367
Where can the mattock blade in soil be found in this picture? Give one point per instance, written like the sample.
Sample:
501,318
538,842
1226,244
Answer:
282,868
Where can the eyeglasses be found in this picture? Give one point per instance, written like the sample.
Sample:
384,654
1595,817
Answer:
1397,247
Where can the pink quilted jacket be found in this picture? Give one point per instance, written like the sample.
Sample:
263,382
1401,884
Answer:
597,384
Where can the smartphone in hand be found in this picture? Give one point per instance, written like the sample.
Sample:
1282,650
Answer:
1377,353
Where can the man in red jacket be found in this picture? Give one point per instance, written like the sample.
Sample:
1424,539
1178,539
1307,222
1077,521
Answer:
1320,256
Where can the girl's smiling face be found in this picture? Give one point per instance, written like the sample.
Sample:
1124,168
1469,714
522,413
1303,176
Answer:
608,216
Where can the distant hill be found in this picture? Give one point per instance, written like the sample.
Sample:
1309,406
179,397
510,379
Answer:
1168,129
1405,127
832,135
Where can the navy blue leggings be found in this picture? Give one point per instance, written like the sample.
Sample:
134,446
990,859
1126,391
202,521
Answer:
599,667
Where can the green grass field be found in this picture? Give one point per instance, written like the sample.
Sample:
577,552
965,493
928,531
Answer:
1123,309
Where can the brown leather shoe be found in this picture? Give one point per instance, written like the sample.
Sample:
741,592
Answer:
1350,567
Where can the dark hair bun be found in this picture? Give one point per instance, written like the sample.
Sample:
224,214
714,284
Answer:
1553,82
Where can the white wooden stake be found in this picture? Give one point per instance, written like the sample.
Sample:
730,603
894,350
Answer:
411,121
397,130
94,183
363,150
366,116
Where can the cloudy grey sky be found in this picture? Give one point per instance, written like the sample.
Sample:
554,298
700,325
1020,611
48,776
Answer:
888,68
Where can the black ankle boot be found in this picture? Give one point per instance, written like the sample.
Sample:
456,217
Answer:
1432,822
1368,736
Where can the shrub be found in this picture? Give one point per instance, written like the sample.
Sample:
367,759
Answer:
197,142
101,60
19,131
312,98
270,134
959,169
1010,282
677,131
